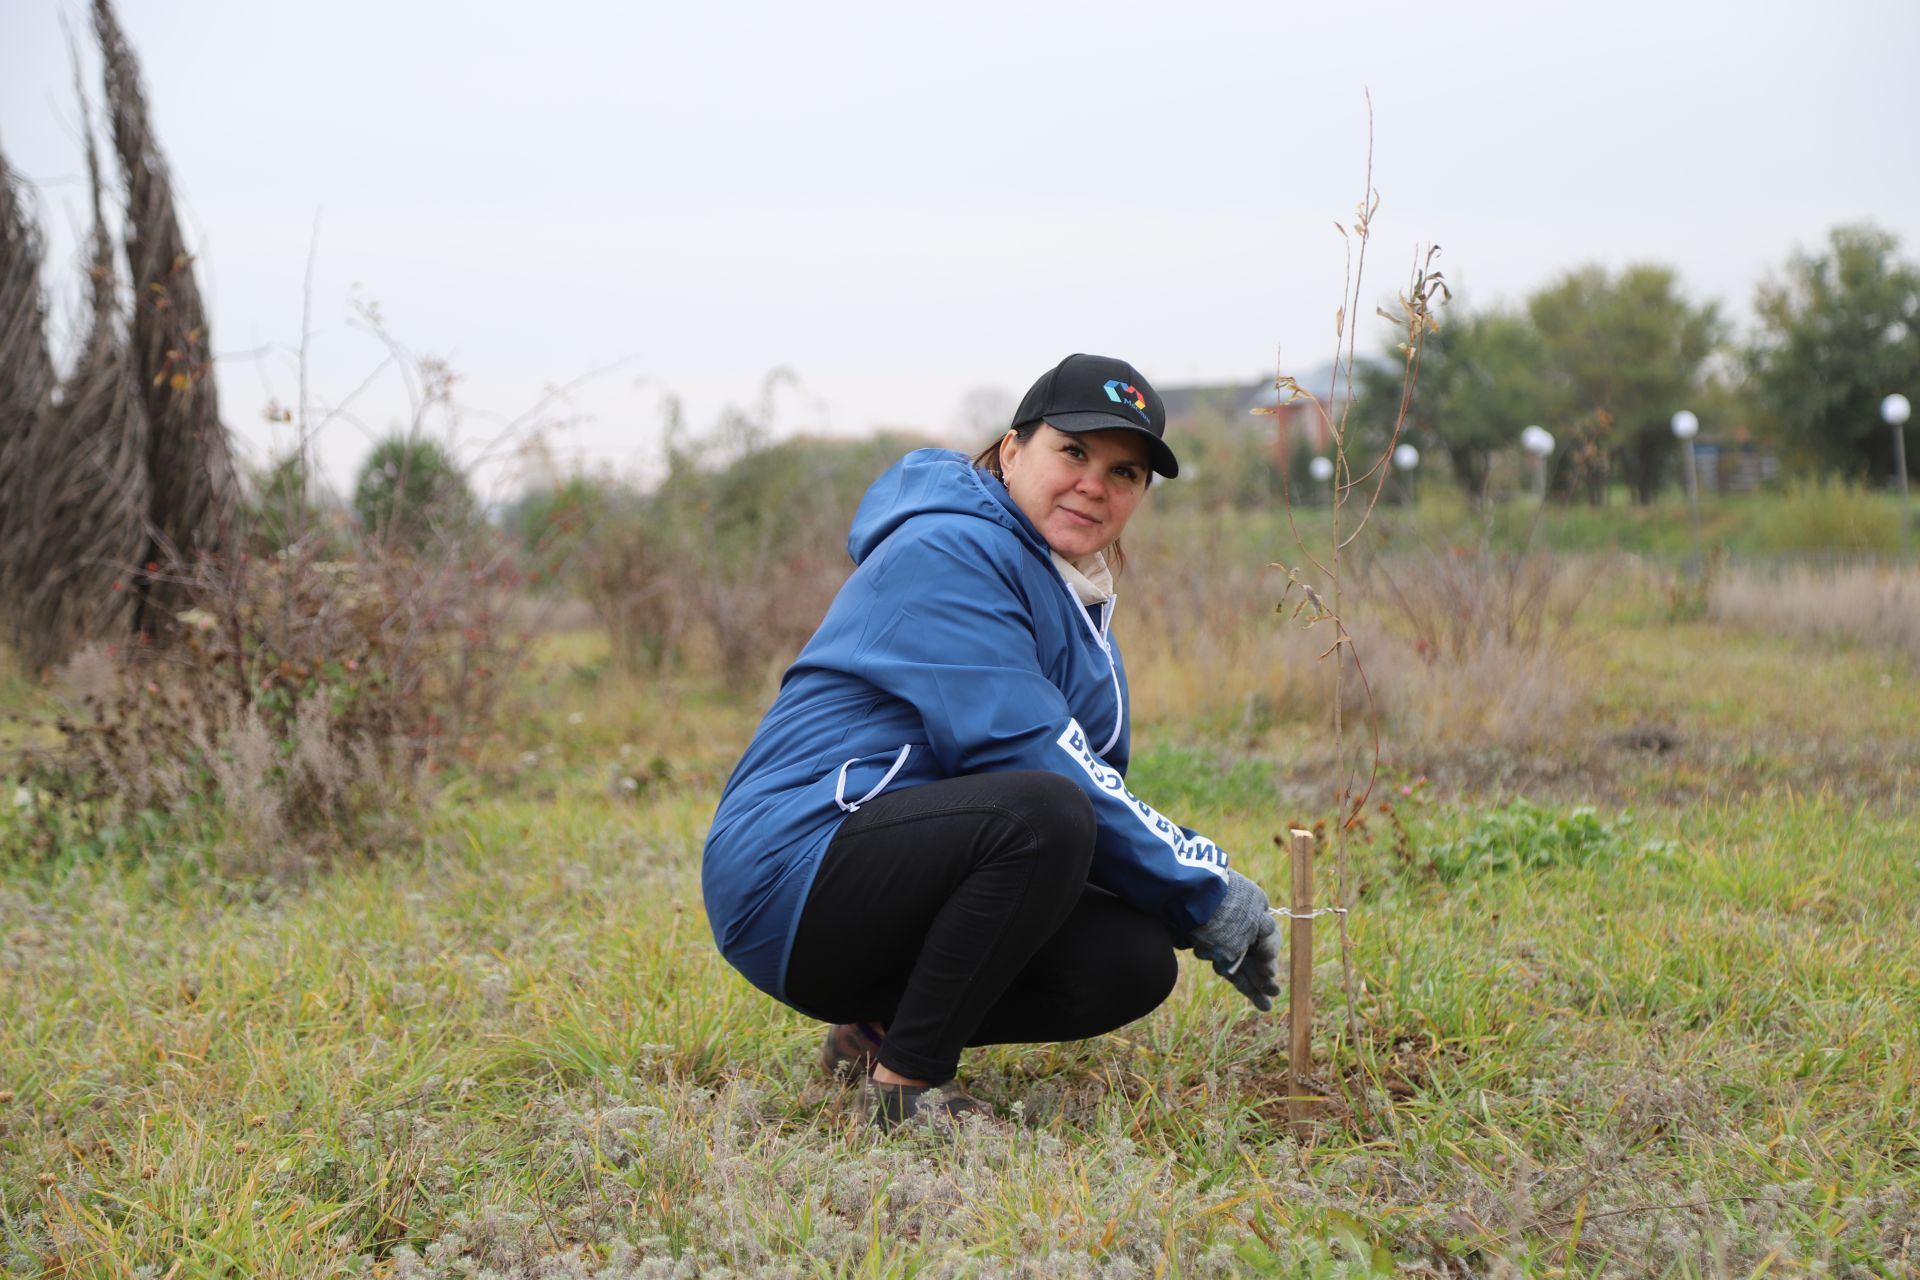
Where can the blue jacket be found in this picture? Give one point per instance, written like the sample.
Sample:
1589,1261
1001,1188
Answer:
954,648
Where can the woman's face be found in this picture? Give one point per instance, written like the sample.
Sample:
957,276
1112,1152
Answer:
1079,490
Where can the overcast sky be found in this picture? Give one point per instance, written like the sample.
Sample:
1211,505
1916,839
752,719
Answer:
902,204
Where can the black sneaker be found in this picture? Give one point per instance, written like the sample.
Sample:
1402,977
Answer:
851,1048
937,1106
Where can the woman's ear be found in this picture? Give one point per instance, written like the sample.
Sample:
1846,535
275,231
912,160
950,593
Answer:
1009,449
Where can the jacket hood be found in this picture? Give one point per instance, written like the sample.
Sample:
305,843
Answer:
934,481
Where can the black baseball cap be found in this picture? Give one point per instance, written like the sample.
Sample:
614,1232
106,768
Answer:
1098,393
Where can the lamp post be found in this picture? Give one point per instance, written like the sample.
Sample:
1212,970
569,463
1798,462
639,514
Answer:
1321,469
1894,411
1406,458
1538,442
1685,427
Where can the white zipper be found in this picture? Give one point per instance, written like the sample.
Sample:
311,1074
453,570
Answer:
1099,635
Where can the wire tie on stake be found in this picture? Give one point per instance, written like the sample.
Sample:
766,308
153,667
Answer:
1306,915
1291,915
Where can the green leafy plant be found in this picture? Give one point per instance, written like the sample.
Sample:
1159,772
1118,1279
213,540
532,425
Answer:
1524,837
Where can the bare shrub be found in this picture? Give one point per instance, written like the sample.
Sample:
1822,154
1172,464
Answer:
1201,636
626,571
1455,602
307,705
1498,695
760,543
759,611
730,564
1873,606
589,559
1480,646
1459,646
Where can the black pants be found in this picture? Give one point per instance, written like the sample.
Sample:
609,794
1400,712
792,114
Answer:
959,913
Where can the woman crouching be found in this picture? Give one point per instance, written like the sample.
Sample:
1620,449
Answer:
929,843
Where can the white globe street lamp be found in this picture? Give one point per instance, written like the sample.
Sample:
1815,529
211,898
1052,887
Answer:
1686,426
1894,411
1538,442
1321,469
1405,459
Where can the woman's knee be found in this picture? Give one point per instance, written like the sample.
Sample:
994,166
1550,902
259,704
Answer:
1145,968
1056,812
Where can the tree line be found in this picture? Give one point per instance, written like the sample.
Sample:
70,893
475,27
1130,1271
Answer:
1605,358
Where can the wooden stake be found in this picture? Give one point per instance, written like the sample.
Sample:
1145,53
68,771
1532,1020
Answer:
1300,970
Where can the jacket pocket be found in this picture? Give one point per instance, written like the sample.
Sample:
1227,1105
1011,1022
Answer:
898,761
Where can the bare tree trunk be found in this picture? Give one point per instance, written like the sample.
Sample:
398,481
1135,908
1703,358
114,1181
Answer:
193,499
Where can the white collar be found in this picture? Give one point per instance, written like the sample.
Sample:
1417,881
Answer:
1089,576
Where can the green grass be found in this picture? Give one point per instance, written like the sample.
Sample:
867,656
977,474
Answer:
1808,517
1682,1045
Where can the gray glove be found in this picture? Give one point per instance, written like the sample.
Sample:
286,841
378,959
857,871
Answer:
1243,942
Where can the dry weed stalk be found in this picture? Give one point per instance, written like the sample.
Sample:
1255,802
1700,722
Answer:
1413,317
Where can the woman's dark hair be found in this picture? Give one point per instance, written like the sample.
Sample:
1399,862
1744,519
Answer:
988,460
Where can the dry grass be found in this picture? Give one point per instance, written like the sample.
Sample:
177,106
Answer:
1477,646
1500,694
1210,647
1870,606
520,1055
1471,647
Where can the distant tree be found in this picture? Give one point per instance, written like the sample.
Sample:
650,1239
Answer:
1839,331
555,523
408,489
790,498
1624,353
280,510
1482,379
751,549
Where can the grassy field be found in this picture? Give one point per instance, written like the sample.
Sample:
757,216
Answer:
1818,519
1638,954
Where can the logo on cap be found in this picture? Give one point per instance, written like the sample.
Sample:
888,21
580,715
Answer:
1124,393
